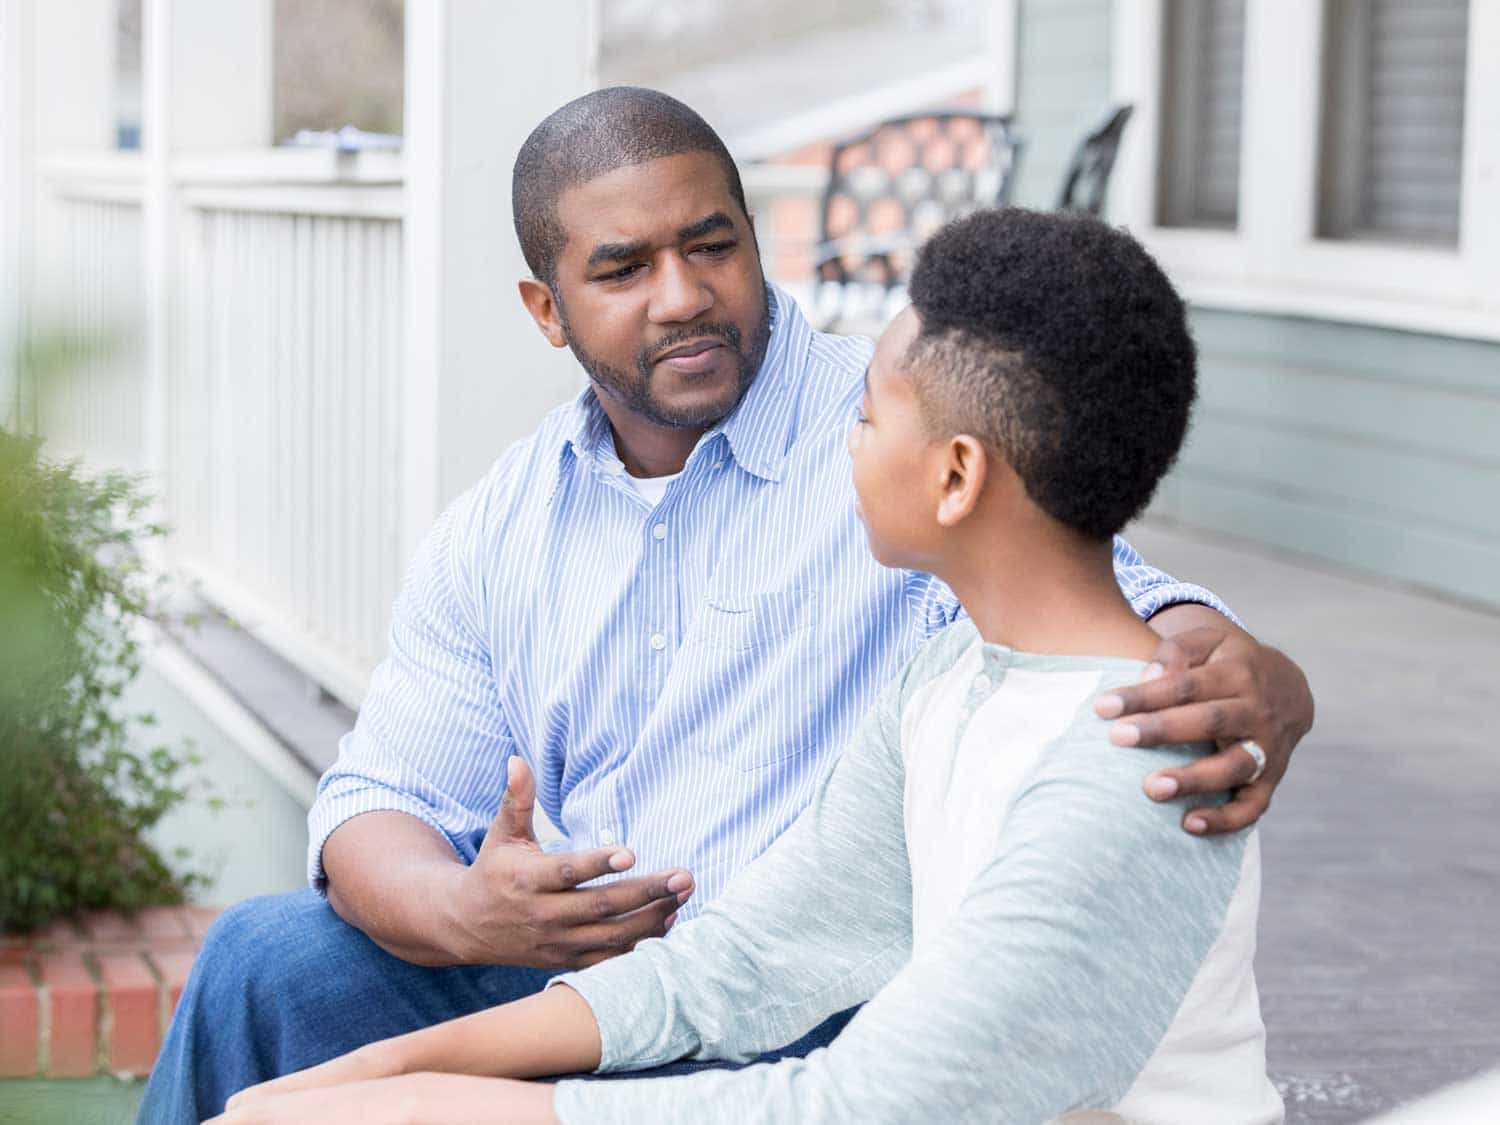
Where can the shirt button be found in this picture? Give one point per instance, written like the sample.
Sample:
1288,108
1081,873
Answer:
719,463
658,642
983,683
606,835
659,531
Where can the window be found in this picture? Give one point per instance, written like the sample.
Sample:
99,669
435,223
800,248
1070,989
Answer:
1393,114
1203,53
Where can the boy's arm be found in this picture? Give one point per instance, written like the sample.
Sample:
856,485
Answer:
553,1032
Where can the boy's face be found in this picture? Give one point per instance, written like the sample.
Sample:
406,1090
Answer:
897,465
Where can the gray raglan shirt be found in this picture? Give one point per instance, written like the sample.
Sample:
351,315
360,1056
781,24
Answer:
1030,935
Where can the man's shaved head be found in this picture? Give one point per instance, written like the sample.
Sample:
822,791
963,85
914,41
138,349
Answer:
616,127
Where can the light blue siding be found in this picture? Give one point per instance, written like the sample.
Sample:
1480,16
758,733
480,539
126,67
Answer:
1369,447
1062,87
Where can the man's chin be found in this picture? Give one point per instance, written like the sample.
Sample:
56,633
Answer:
700,402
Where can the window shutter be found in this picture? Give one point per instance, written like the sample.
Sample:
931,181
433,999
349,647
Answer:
1393,114
1203,79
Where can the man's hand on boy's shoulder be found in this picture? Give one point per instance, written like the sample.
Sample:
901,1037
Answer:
1214,683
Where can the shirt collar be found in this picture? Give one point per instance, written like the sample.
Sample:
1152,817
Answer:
758,431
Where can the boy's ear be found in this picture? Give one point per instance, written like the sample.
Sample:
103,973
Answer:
965,467
540,302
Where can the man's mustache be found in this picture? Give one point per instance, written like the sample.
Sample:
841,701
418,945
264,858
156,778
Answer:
725,332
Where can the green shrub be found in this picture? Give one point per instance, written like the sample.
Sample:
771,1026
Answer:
77,790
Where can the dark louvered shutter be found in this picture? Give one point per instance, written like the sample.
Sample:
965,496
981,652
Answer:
1202,83
1393,116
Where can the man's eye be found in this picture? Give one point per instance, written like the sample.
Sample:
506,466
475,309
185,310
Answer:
619,274
716,248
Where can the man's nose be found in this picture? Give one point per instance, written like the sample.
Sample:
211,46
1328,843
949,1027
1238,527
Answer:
680,295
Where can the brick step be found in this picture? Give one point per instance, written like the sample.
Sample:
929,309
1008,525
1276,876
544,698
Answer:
95,996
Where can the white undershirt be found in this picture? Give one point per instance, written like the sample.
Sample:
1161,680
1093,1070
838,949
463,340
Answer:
652,488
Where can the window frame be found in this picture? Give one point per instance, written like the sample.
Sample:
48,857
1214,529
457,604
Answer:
1274,261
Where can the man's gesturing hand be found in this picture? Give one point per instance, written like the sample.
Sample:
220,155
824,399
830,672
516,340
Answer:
520,906
1215,685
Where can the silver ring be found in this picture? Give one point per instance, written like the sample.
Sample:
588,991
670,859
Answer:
1251,747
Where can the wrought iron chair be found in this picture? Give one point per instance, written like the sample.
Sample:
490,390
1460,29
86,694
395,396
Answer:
888,190
1086,182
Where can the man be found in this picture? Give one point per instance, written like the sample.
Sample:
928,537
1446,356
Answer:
658,616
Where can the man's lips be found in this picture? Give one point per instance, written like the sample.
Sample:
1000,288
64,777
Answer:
694,356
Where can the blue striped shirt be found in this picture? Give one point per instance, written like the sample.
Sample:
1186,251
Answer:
677,677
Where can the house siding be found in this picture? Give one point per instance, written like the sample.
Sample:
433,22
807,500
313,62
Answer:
1373,448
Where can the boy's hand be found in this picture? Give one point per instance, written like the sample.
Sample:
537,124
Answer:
362,1065
1215,684
455,1099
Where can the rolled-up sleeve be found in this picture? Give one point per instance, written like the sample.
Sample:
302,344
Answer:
431,739
1150,590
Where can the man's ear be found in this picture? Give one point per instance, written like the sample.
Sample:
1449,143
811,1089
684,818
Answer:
541,303
965,467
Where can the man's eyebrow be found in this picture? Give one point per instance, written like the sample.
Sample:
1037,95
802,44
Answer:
616,252
707,225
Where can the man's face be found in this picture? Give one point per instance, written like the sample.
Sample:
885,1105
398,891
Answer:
895,460
660,292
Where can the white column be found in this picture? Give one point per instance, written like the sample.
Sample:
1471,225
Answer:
206,83
479,77
1279,165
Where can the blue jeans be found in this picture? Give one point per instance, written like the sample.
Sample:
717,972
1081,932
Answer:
283,983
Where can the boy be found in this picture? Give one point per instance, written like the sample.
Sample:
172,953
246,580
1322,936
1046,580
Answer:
1027,936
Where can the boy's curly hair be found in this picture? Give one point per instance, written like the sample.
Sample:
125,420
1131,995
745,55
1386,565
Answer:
1059,342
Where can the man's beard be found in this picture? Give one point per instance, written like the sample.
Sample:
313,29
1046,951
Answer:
634,391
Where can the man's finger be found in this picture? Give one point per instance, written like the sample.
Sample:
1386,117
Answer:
1249,805
621,935
562,871
599,904
513,821
1216,773
1170,689
1221,720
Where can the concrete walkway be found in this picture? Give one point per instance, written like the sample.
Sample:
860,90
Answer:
1379,963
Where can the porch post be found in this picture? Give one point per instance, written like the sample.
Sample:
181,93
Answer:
479,77
206,74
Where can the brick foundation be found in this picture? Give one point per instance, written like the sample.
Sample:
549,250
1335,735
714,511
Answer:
95,996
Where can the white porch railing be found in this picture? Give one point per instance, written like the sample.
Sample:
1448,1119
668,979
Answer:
283,438
90,275
285,388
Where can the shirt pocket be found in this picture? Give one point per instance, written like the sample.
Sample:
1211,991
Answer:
747,622
757,651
